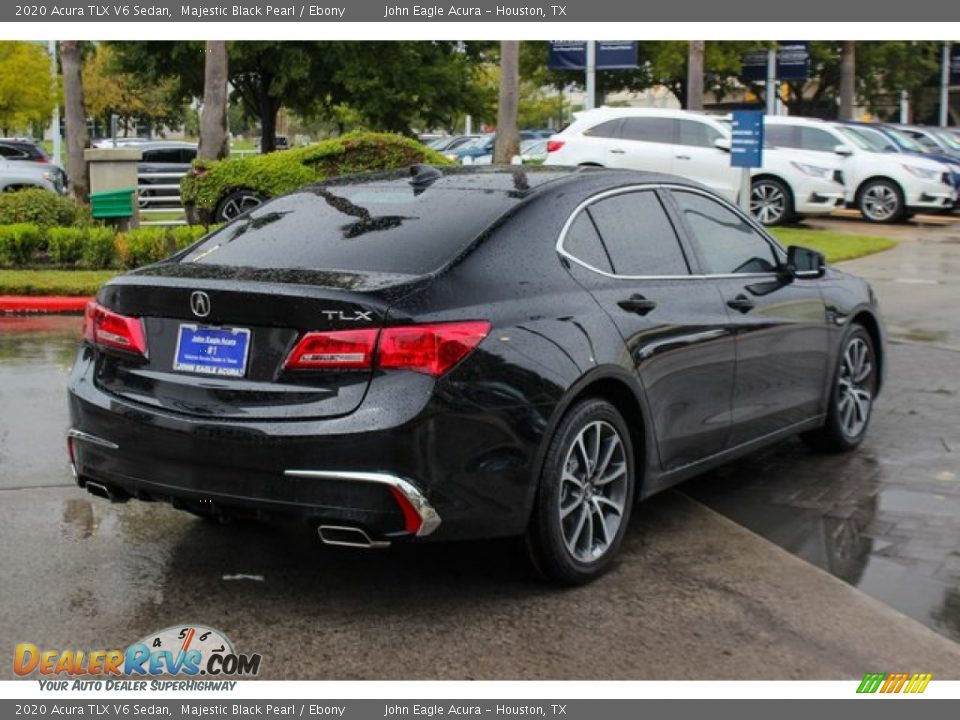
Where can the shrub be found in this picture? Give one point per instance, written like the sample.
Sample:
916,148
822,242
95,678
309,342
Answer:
276,173
143,246
65,244
186,235
19,242
99,248
42,208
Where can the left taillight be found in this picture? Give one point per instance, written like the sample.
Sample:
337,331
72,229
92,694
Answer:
108,329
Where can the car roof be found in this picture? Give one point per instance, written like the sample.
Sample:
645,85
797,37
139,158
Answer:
528,180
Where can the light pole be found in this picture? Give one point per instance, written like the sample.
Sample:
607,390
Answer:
591,101
945,85
55,117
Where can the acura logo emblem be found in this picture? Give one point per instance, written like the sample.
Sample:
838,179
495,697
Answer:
200,303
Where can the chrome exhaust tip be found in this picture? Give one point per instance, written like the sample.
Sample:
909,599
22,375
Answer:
346,536
104,491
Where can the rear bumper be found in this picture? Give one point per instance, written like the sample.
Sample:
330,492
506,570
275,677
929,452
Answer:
403,470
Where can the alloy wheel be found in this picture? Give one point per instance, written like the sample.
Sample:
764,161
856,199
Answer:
768,204
237,204
880,202
854,391
593,491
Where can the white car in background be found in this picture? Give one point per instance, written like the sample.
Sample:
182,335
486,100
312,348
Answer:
22,175
884,187
697,146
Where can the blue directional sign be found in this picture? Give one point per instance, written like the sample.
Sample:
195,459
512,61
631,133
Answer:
955,64
746,147
793,62
611,55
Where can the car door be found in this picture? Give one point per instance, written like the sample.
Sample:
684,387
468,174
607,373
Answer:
628,256
645,143
780,323
695,156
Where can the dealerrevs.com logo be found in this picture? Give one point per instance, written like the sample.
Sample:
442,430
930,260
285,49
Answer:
178,651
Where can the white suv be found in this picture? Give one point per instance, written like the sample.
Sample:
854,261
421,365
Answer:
884,187
697,146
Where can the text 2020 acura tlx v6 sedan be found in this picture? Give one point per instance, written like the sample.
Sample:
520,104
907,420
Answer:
467,353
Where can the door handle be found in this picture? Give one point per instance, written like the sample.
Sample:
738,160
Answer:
742,303
618,152
683,157
637,304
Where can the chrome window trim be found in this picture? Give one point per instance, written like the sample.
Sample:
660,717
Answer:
562,251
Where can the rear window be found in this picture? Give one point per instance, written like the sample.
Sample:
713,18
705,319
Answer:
391,228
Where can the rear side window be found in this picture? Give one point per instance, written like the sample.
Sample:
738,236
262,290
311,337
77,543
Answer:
638,236
649,129
726,242
696,134
583,242
386,227
12,153
608,129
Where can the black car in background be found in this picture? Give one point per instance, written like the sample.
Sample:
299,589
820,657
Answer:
466,353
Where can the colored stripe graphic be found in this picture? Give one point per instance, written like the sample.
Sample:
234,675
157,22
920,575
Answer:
894,683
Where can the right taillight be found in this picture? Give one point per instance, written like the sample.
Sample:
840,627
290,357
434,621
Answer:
108,329
554,145
429,348
338,350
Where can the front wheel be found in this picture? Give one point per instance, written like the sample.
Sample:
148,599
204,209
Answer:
851,402
881,201
771,203
585,496
237,203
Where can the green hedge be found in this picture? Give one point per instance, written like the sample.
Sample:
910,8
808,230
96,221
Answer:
276,173
41,207
19,243
93,248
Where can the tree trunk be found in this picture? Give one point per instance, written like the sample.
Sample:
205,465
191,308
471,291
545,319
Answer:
695,75
214,143
508,138
848,79
76,119
268,124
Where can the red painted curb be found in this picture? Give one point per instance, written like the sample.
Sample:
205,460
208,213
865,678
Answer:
42,304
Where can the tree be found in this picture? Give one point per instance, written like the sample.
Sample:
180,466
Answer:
109,90
695,75
76,118
848,79
27,92
214,143
508,137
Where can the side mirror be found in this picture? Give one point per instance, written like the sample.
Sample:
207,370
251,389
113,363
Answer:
844,150
722,143
805,264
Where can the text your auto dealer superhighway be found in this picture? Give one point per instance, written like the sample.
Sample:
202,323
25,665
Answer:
264,11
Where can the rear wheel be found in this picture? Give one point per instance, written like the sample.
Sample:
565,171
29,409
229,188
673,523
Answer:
881,201
771,202
851,403
585,495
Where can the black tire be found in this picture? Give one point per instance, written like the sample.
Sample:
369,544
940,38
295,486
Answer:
771,202
237,203
837,435
881,201
567,509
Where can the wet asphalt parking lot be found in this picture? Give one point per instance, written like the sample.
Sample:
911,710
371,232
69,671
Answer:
695,595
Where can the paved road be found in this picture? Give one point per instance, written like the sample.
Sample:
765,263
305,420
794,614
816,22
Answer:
695,596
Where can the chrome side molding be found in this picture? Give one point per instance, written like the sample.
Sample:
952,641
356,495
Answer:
429,518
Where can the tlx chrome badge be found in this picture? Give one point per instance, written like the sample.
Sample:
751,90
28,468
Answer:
200,303
355,316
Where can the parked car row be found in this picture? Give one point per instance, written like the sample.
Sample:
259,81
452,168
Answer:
810,166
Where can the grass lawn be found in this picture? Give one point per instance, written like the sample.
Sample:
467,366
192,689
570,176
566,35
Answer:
53,282
836,246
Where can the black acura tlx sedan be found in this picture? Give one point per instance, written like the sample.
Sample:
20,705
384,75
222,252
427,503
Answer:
467,353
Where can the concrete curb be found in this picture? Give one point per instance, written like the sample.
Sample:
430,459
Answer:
27,304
